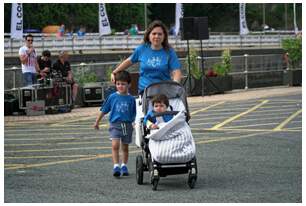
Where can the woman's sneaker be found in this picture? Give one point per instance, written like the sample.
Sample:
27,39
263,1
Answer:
116,171
124,171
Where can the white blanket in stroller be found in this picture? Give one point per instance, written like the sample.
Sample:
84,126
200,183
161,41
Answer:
173,141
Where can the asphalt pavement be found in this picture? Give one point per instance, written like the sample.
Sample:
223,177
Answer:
249,149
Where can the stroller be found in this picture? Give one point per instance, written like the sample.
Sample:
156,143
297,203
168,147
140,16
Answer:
171,149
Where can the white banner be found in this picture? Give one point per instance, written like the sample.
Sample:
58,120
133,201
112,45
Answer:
243,23
16,21
104,26
296,29
178,14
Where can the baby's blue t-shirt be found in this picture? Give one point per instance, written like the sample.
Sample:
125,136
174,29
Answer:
155,65
122,108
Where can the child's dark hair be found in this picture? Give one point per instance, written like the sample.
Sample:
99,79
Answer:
160,98
123,76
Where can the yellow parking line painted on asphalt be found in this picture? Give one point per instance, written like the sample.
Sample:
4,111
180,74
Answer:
48,157
93,132
99,156
279,106
59,149
250,125
52,138
55,143
238,115
260,114
206,108
286,121
272,111
243,130
71,120
255,130
296,128
257,119
12,165
287,101
69,127
232,138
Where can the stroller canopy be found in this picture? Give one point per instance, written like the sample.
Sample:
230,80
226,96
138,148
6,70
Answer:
171,89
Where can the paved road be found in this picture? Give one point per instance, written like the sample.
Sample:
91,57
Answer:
247,151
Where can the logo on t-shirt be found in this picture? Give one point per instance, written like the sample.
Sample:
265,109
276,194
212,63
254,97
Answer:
154,62
122,107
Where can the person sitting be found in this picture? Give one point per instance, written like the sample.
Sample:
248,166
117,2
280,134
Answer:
44,63
160,104
62,66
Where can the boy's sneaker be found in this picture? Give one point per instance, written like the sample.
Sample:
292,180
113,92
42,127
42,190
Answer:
124,171
116,171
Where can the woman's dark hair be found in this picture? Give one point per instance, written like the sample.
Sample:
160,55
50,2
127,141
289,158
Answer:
160,98
153,25
123,76
46,53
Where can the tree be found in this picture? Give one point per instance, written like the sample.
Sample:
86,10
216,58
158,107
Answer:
163,12
121,16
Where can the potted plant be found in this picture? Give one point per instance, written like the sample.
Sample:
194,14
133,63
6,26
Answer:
195,83
218,79
293,59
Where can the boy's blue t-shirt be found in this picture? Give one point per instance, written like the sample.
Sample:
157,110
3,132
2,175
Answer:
122,108
155,65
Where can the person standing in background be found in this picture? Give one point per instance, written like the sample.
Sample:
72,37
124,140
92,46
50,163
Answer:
28,58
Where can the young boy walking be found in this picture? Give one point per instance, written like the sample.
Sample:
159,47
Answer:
122,108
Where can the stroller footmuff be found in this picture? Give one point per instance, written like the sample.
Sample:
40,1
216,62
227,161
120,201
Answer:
170,150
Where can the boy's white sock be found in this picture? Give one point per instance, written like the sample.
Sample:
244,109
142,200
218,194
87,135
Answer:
122,164
116,165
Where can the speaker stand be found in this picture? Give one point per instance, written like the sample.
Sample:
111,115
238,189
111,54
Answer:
188,74
203,72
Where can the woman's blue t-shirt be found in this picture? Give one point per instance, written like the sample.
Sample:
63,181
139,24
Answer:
155,65
122,108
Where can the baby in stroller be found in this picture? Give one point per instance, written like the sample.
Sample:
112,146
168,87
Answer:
160,104
167,144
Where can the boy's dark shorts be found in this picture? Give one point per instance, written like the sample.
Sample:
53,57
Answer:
121,130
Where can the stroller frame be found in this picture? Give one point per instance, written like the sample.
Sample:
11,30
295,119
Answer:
144,161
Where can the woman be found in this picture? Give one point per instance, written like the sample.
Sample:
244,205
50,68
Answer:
157,59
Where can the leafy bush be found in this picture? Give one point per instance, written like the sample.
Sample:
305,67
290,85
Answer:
293,46
83,75
225,66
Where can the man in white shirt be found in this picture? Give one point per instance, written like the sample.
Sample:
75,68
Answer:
28,58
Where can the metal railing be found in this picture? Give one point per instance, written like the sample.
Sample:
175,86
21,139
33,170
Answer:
242,67
99,44
250,65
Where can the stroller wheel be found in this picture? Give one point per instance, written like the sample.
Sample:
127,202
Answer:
154,178
191,181
154,184
193,174
139,169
